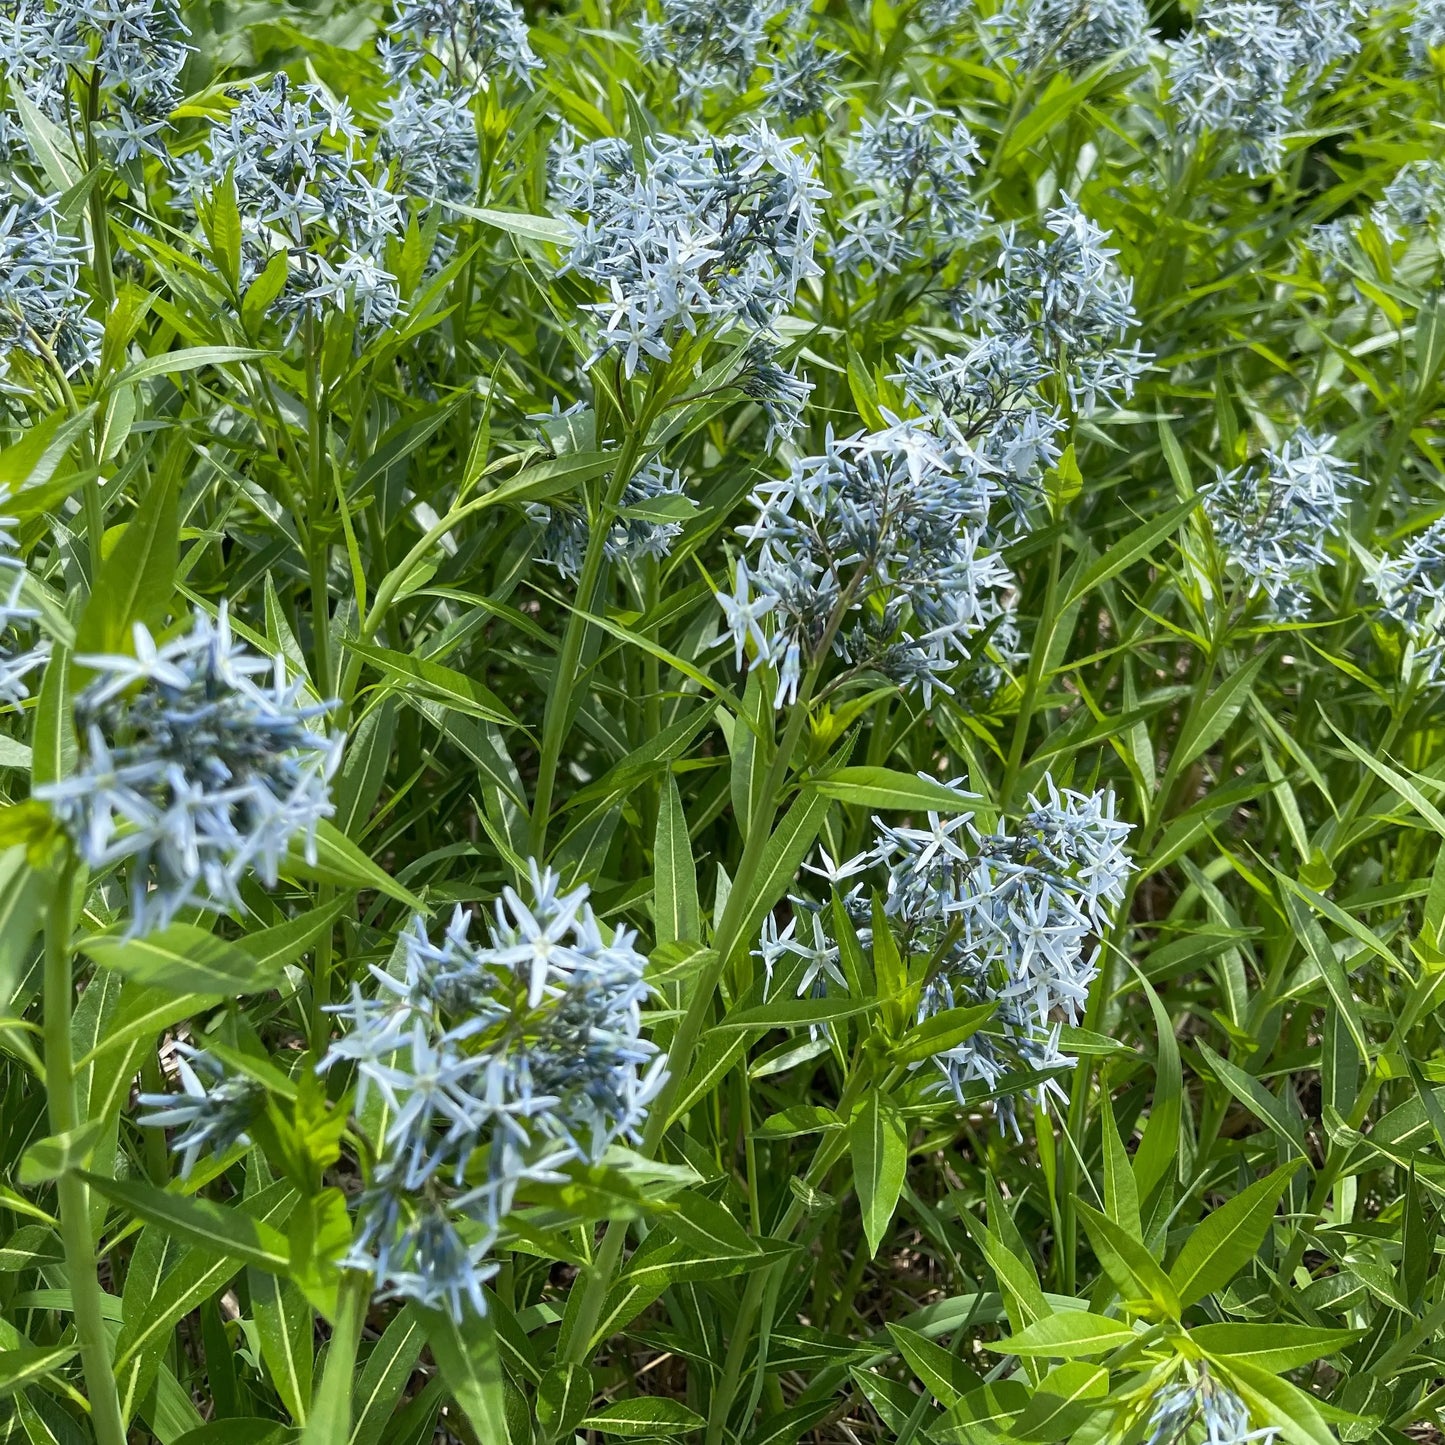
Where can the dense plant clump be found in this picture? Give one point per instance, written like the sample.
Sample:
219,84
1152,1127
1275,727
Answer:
717,722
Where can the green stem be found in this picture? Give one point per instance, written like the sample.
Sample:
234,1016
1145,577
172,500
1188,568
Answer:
99,209
330,1418
829,1151
558,713
684,1042
319,550
74,1197
1034,679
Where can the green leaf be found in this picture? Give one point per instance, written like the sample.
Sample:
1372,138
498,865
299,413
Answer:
29,1364
1135,1272
1220,709
519,223
452,688
1158,1152
185,359
137,577
701,1221
472,1369
675,909
643,1418
29,463
1124,553
1325,959
53,750
183,959
871,787
214,1227
1226,1239
783,855
943,1374
563,1396
285,1327
1067,1335
1257,1099
272,949
1277,1402
878,1144
941,1032
384,1376
48,1159
791,1013
340,862
1275,1347
51,145
1064,1400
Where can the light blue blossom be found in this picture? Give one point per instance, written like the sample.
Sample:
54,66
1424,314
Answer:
1413,201
883,532
1410,592
714,233
193,771
211,1112
297,160
428,137
1425,35
634,533
1205,1399
462,42
1248,69
130,53
498,1063
1271,519
44,311
717,45
1018,915
1073,34
914,164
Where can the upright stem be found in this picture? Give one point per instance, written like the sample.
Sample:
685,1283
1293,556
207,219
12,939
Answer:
319,549
829,1151
1038,660
330,1418
558,711
684,1041
99,210
74,1197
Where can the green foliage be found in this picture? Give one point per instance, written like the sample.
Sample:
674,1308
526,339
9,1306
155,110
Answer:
1237,1186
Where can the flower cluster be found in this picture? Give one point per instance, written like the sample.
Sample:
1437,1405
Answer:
43,308
707,234
1224,1416
1010,918
130,56
885,528
297,161
428,138
1271,519
464,41
1247,69
913,163
212,1112
497,1063
640,530
1073,34
720,46
19,656
192,770
1015,917
1410,592
1413,201
1425,36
